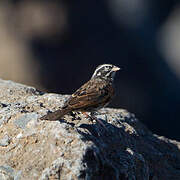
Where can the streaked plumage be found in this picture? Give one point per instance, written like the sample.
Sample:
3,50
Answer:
93,95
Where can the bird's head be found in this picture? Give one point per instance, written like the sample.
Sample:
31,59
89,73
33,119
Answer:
105,71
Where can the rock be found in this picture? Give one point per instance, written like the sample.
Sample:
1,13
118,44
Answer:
24,119
5,140
74,147
8,173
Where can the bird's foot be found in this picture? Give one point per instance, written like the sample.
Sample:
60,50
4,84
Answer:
92,117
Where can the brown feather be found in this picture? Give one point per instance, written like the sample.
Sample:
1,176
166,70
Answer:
56,115
91,95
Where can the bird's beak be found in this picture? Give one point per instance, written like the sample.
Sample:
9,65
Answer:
115,68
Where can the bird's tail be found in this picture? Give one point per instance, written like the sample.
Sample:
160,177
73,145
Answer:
56,115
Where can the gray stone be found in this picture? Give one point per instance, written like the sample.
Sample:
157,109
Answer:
75,147
22,121
5,140
6,173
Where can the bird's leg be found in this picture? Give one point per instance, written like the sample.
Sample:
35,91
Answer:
93,117
97,120
86,114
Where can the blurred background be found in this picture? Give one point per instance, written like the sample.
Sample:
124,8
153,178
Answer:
55,46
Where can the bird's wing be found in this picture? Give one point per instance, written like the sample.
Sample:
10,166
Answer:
91,94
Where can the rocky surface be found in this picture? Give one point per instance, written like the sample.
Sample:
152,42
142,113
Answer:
74,147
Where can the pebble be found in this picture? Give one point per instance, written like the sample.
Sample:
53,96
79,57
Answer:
5,141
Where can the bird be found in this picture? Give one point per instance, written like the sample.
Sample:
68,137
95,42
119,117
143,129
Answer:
90,97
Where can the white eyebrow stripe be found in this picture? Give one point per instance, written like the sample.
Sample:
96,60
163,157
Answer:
100,68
